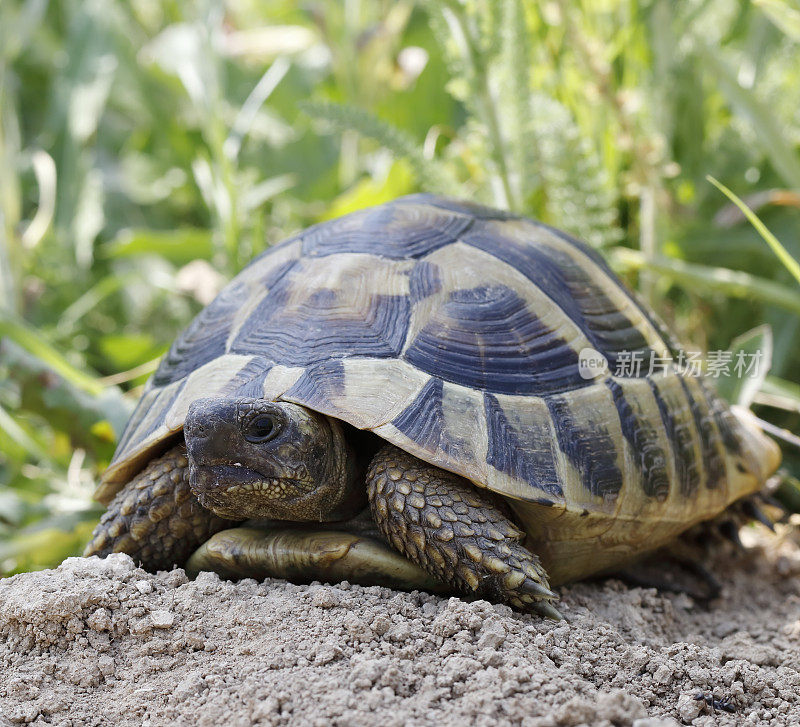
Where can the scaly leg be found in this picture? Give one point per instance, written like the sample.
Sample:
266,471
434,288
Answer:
155,518
457,533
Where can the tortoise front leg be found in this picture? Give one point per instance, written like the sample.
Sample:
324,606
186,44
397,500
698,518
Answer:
454,531
155,518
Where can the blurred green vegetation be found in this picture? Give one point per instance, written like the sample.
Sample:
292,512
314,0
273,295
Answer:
149,148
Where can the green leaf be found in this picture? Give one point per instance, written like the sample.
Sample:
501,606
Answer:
767,131
12,507
105,287
183,50
104,430
783,14
780,251
775,385
46,546
90,93
702,279
16,29
128,350
260,193
788,493
368,192
14,431
751,358
29,339
55,398
178,246
779,393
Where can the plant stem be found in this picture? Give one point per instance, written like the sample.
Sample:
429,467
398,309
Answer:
485,101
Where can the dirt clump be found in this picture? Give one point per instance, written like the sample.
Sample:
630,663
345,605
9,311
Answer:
102,642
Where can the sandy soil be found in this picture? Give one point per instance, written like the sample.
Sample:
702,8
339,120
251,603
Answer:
101,642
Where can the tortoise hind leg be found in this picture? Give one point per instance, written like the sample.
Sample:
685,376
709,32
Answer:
680,566
672,569
155,518
453,531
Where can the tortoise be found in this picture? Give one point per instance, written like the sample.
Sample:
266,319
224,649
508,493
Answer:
414,375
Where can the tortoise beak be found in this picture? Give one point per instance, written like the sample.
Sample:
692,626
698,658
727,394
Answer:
209,429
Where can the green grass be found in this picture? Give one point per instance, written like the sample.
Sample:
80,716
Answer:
149,149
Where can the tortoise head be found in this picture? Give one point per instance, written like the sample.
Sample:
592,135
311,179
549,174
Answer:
252,458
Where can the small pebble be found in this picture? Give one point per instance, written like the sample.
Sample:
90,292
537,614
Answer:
162,619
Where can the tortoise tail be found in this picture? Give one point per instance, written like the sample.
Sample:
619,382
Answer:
761,453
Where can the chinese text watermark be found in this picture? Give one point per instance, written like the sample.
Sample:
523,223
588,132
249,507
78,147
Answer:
635,364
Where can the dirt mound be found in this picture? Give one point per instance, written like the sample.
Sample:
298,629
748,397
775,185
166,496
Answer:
101,642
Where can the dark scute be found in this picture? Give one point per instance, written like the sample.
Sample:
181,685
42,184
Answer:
156,422
325,325
249,381
141,411
565,282
527,456
393,230
644,441
205,338
727,423
423,280
487,338
423,422
709,439
591,450
672,345
318,385
463,207
680,433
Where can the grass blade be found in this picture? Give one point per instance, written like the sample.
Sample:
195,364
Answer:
20,436
734,283
780,251
780,394
32,341
247,114
766,128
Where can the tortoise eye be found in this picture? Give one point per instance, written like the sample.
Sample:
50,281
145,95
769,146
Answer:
261,429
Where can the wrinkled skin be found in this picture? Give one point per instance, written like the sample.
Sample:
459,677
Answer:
250,458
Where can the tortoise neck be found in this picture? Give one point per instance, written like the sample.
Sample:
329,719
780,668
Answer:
346,496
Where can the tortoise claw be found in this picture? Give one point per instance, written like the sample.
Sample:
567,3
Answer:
754,512
537,590
543,608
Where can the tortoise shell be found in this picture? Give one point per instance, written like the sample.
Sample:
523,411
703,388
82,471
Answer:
455,332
